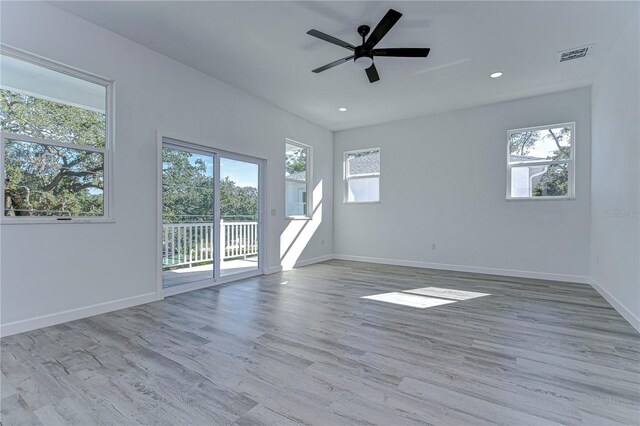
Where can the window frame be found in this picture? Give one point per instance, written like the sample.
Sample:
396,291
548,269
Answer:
307,181
107,151
347,177
571,191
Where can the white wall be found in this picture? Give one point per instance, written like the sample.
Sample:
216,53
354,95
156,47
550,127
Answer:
443,182
615,182
49,269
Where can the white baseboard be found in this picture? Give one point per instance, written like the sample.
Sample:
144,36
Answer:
622,310
463,268
301,263
74,314
313,260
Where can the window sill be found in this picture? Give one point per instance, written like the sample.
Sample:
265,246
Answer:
298,218
540,198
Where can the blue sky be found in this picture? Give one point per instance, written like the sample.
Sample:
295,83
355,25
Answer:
243,174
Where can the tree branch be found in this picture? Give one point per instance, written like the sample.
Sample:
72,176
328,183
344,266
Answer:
79,187
525,142
555,139
67,173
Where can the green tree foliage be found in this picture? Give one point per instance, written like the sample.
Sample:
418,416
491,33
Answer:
236,202
187,188
45,179
521,143
555,181
295,160
188,191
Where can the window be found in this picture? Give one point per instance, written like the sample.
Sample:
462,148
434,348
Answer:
362,176
297,161
540,162
55,143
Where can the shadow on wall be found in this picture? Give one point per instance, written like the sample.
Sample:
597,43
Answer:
298,233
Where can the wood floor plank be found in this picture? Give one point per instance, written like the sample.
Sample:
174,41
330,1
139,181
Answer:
307,347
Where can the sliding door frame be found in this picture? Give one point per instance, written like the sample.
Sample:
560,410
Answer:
178,143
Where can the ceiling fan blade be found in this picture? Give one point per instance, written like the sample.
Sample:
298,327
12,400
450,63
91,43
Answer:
402,53
333,64
387,22
330,39
372,73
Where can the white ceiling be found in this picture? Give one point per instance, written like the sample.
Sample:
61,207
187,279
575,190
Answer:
263,48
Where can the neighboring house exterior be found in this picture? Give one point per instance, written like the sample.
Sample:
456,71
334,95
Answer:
525,179
296,193
363,176
365,163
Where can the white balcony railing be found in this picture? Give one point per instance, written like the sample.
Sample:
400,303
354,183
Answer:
192,243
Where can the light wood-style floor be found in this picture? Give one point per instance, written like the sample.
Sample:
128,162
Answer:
306,347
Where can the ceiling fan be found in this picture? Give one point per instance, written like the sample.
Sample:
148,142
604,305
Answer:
363,55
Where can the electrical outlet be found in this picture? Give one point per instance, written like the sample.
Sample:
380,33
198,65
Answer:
273,212
433,246
322,242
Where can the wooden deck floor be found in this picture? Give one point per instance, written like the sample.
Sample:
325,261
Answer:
307,346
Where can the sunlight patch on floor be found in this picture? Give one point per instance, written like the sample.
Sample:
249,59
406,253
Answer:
412,300
425,297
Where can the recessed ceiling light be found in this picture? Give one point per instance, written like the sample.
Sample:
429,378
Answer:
496,74
342,109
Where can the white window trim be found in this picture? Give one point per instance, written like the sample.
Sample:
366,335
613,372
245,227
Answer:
571,195
307,181
107,151
348,177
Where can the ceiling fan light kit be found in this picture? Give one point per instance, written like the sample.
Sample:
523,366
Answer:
363,62
363,55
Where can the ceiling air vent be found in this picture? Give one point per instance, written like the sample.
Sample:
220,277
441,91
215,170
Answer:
577,53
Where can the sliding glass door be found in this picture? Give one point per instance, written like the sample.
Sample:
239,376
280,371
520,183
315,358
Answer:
211,211
188,216
239,211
